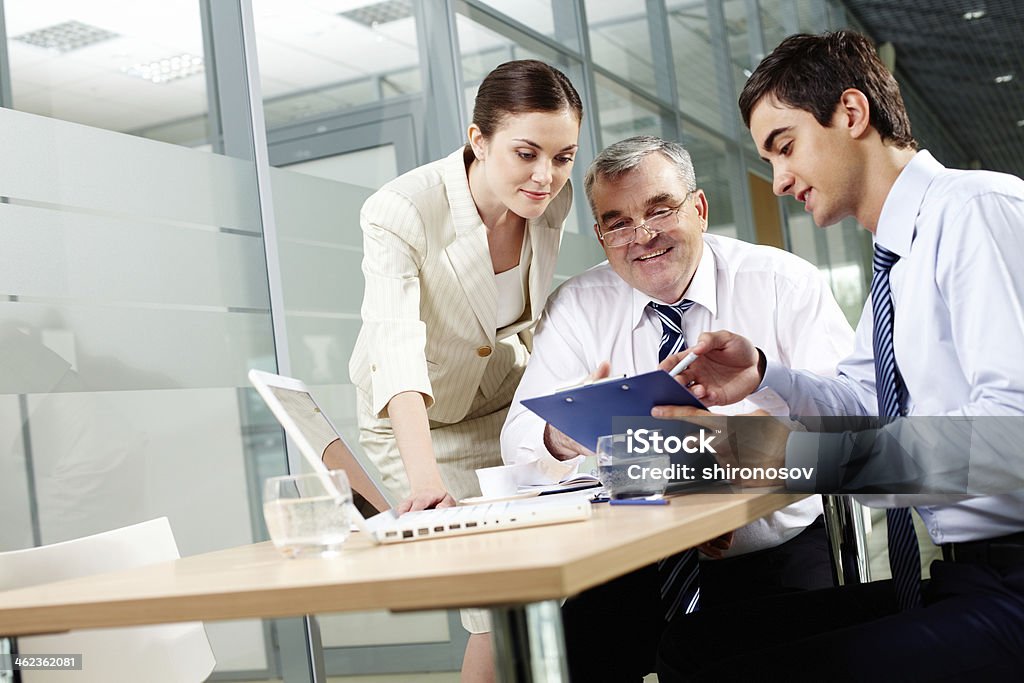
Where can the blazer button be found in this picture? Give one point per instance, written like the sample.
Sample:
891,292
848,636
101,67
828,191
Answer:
483,351
373,367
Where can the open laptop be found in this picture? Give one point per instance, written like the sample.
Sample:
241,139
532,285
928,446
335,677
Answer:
293,406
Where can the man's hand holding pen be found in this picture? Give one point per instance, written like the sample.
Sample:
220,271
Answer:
720,369
726,368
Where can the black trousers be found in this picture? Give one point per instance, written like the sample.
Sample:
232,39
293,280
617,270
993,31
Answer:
612,631
971,628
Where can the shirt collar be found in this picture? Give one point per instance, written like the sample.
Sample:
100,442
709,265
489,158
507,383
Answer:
702,290
899,212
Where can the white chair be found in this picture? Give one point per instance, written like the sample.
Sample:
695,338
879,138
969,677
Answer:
172,653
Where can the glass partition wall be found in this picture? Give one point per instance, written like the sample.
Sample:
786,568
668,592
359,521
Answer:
136,290
180,202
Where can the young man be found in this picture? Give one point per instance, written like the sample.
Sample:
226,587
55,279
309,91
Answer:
652,221
941,337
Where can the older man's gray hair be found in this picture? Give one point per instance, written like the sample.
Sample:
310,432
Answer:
626,155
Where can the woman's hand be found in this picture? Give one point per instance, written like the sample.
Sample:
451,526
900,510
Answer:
426,498
408,413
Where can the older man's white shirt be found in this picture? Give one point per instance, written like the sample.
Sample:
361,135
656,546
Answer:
779,301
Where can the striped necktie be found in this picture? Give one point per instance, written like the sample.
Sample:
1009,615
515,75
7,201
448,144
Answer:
904,554
679,573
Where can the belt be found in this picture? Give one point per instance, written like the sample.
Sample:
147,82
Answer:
1001,552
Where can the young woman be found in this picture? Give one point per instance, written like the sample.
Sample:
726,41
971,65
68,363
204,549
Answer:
458,259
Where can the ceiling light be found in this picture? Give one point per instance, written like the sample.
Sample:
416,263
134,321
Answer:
379,13
166,69
1005,78
66,36
974,14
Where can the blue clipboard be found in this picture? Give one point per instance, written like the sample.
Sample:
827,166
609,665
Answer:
586,412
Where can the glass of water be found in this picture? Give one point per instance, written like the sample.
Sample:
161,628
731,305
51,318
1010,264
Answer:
625,474
308,514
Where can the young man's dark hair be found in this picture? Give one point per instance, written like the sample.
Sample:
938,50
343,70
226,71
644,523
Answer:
804,72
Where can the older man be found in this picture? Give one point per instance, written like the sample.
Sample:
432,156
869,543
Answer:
666,280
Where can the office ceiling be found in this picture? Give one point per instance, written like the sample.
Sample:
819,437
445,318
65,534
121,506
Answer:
315,54
101,63
965,58
99,78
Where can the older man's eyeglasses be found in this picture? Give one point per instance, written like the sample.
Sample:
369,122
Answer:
622,231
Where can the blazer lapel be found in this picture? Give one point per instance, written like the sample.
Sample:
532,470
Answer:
469,255
471,261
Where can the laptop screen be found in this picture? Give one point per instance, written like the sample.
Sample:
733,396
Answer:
314,434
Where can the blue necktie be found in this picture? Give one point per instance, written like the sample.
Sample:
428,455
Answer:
904,554
680,573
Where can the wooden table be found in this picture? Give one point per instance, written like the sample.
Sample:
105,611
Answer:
521,573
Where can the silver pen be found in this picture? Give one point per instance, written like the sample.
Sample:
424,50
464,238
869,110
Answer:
686,362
